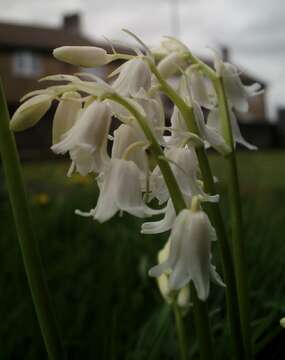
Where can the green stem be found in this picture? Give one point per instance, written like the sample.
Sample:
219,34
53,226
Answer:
200,308
215,214
202,324
180,331
226,259
28,244
239,252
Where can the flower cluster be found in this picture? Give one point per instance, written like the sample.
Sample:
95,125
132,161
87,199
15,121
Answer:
128,169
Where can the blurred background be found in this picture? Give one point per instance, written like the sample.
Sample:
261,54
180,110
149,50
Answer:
107,306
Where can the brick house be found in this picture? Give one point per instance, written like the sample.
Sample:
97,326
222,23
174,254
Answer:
26,56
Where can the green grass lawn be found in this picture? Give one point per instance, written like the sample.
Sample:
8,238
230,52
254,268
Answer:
107,306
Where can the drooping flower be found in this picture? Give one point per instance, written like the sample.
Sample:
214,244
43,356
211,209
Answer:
171,64
184,164
154,113
179,131
237,93
180,134
67,112
202,90
169,45
128,138
30,112
134,76
87,56
86,141
214,123
120,190
190,253
210,134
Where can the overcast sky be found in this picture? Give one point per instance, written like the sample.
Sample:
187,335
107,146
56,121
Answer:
254,30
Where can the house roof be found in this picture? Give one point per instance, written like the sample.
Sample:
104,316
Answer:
45,38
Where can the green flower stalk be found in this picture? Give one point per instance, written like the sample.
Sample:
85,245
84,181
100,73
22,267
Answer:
228,87
239,253
29,248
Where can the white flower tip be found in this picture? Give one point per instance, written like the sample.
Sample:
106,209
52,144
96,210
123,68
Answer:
251,147
84,213
88,56
203,293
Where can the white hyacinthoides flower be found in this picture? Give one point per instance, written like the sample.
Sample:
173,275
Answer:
190,253
237,93
214,123
86,141
134,76
120,190
184,164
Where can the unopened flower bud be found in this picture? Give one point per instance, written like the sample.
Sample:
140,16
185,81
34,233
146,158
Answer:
88,56
30,112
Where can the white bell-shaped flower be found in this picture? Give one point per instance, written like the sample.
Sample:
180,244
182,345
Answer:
209,133
169,45
66,114
186,169
30,112
171,64
213,122
87,56
86,141
184,164
129,143
134,75
179,131
120,190
158,188
154,113
237,93
202,89
190,253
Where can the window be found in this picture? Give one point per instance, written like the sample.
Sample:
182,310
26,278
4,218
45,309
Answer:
26,64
